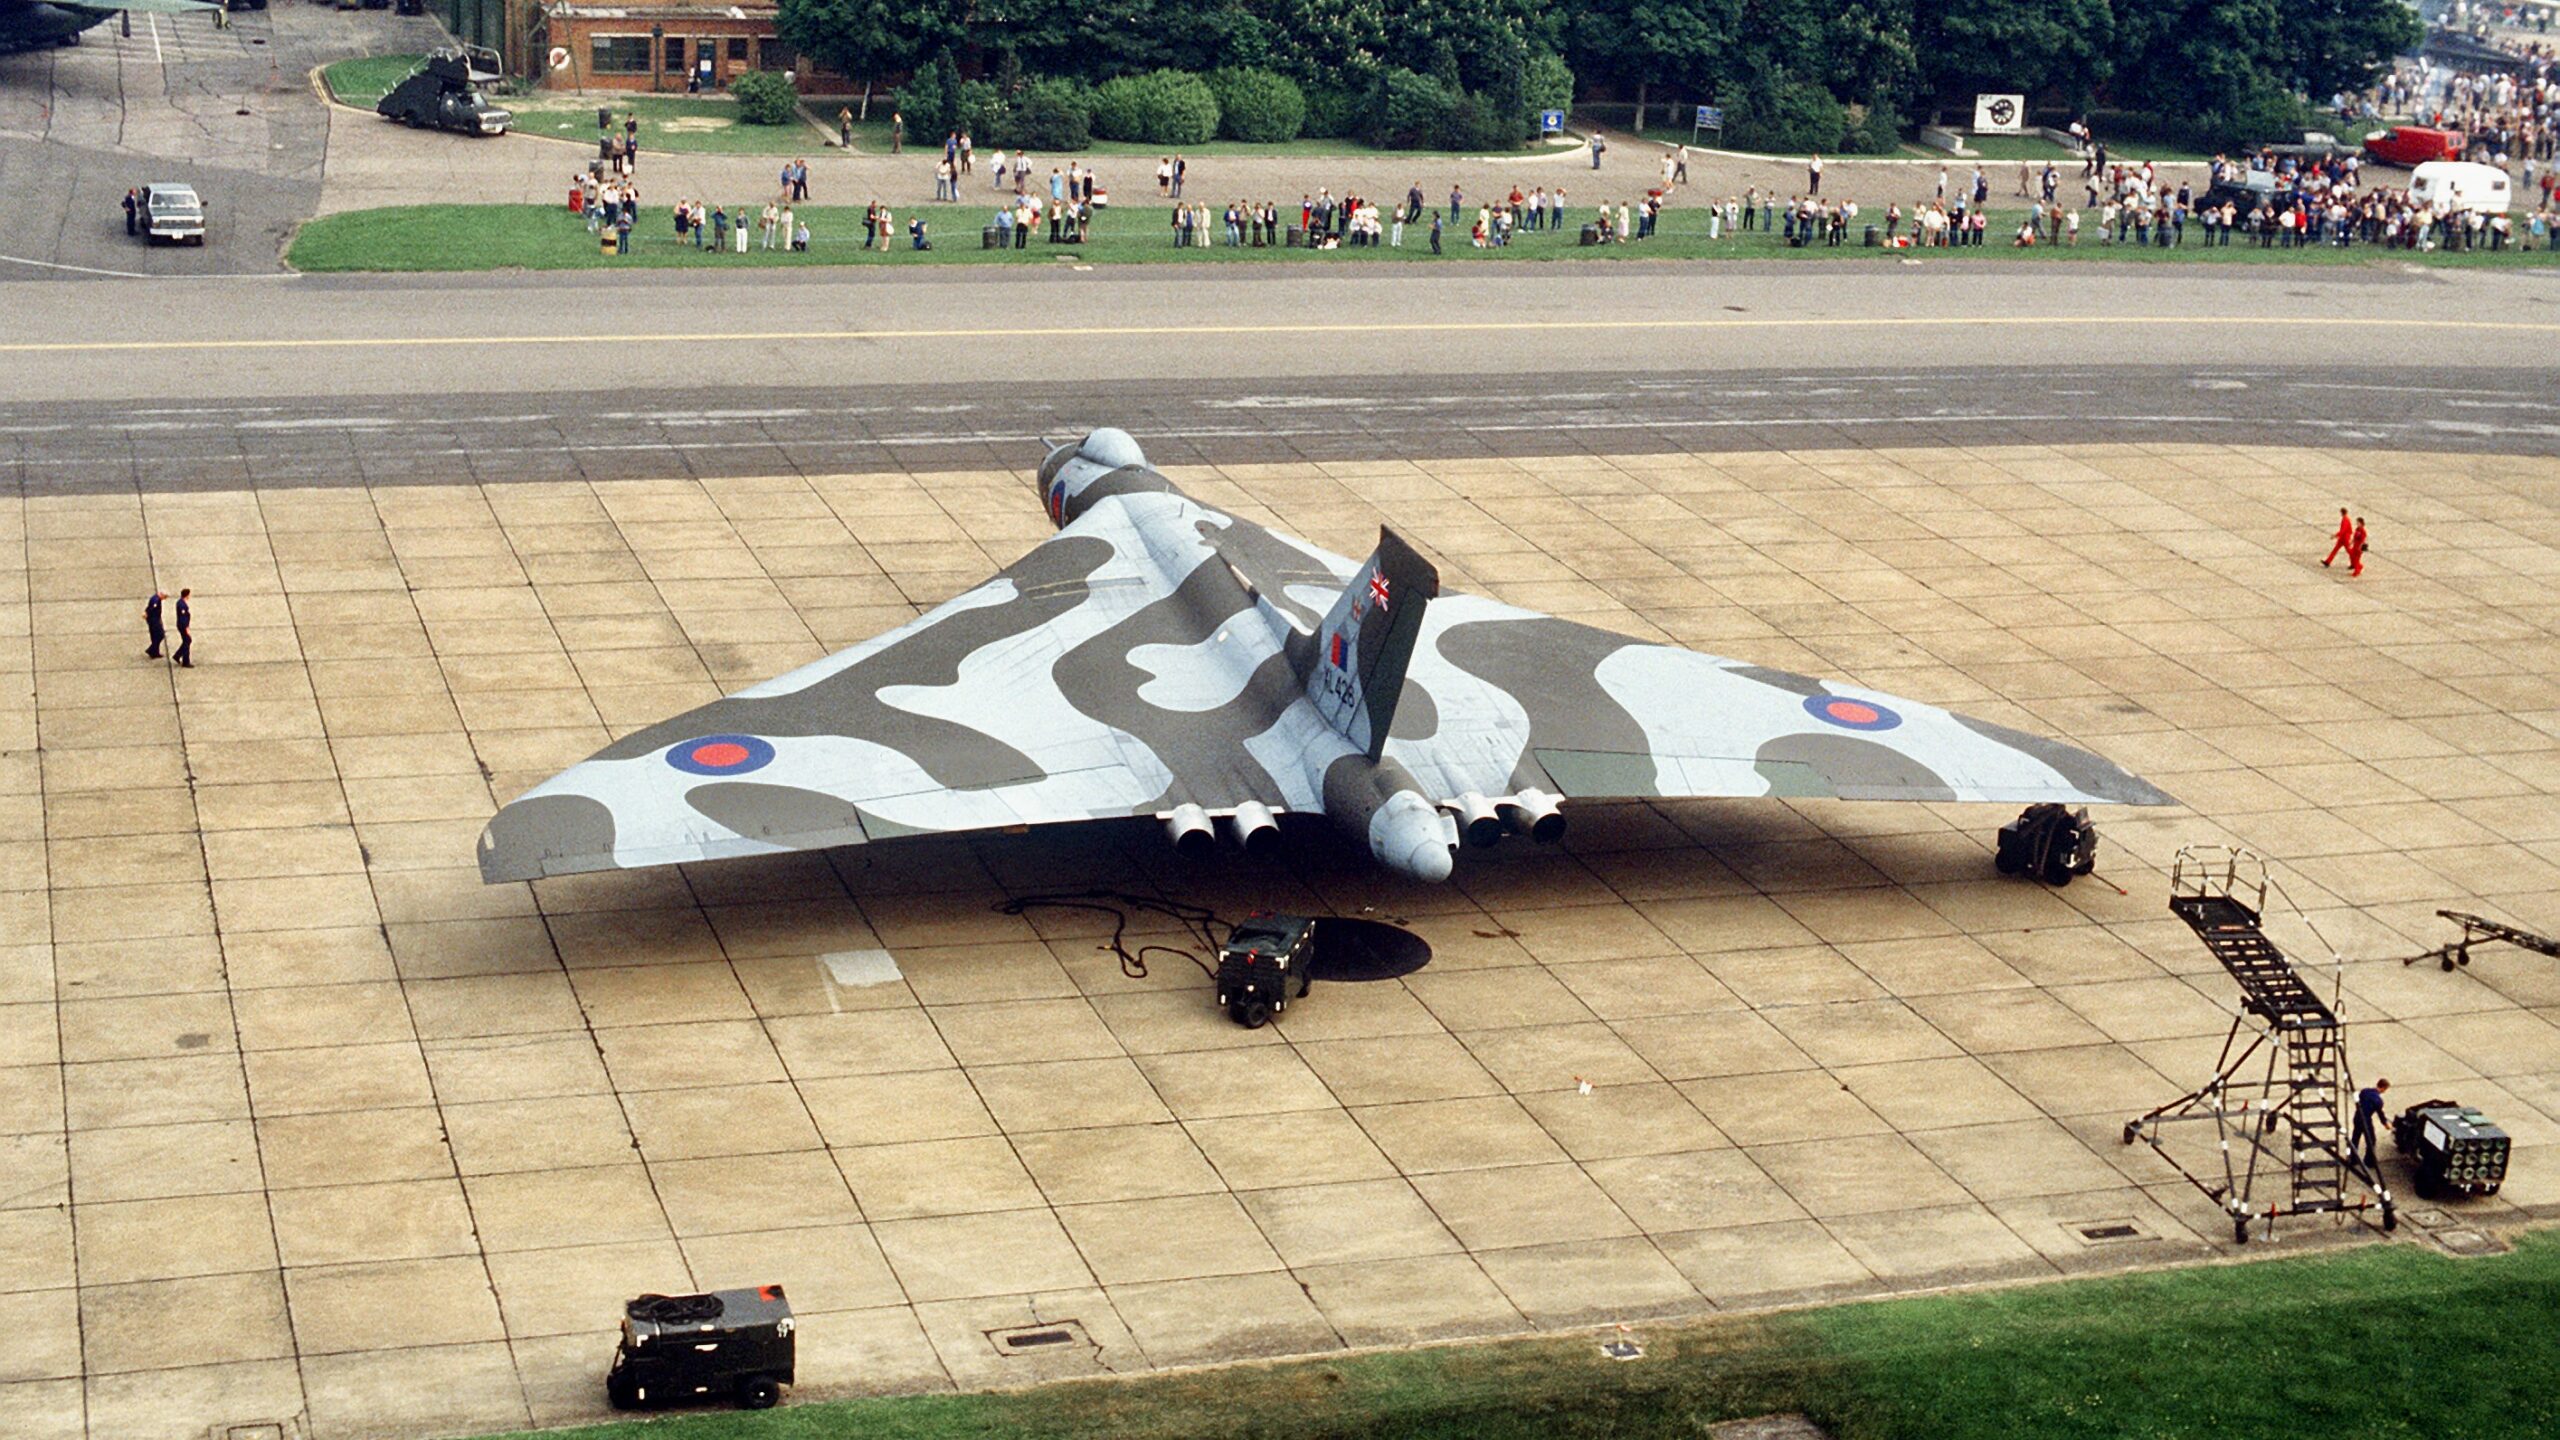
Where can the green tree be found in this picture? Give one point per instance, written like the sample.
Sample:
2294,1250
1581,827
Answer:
2336,45
931,98
869,39
2210,64
1642,46
1969,46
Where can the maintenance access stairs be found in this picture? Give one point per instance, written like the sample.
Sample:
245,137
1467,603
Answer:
2481,930
2221,893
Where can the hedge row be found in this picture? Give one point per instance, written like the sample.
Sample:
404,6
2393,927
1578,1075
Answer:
1403,109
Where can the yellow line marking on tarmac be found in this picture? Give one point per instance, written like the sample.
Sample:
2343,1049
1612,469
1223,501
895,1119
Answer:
1057,332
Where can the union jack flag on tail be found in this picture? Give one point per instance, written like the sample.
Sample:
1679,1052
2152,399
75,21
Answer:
1364,643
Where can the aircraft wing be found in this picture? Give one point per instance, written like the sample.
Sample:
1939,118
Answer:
144,7
957,721
1605,715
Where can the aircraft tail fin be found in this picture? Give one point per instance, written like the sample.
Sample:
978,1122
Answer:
1367,640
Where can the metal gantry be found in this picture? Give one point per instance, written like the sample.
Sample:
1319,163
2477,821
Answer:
2279,1122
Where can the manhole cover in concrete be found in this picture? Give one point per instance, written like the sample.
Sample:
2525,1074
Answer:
2105,1232
2468,1242
1040,1339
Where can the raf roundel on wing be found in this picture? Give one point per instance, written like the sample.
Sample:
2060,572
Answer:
721,755
1850,714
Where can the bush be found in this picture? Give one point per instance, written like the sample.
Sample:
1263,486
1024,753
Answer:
1549,83
1166,107
1338,112
929,100
1258,106
1049,115
1413,111
977,110
1875,131
1796,118
764,97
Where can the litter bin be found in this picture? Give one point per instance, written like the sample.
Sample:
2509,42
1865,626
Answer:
604,117
991,238
611,247
1875,237
604,148
1590,234
1297,237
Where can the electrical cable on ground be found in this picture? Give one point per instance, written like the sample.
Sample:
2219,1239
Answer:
1198,921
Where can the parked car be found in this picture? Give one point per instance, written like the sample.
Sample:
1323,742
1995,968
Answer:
172,212
2461,185
2313,145
2413,145
2243,190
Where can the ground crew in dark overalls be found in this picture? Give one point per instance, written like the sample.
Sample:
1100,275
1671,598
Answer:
2360,1140
186,640
151,624
132,205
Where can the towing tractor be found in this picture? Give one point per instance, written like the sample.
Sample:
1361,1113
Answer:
444,93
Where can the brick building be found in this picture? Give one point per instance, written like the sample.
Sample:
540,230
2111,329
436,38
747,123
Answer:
655,47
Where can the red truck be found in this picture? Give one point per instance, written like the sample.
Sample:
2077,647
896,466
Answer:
2413,145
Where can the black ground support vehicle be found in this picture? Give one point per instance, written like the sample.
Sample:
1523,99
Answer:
1264,955
2454,1148
2049,843
733,1345
445,93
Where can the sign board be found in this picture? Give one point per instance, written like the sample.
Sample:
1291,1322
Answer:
1550,122
1999,114
1710,117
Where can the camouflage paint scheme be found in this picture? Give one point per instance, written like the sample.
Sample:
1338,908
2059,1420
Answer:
1158,657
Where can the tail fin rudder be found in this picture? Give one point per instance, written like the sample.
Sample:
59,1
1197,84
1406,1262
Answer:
1366,641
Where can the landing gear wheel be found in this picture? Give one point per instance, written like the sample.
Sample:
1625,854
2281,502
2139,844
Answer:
1251,1014
2132,1129
2239,1229
758,1394
2390,1217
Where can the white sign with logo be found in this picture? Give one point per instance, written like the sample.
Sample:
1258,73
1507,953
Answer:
1999,114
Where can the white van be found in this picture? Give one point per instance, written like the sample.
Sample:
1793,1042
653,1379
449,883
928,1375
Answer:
2460,185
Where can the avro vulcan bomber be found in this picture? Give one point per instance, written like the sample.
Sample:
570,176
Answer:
1157,657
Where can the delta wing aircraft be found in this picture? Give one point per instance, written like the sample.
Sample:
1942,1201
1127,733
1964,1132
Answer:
1157,657
33,24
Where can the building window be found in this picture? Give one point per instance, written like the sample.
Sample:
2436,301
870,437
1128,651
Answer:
675,54
619,55
738,50
774,55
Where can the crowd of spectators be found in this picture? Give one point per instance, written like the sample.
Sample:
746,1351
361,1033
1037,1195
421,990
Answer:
2270,199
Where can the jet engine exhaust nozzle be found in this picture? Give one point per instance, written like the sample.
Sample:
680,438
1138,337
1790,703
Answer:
1533,813
1191,832
1478,820
1252,830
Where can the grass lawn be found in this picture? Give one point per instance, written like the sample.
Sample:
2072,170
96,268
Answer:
363,82
669,124
2376,1343
541,237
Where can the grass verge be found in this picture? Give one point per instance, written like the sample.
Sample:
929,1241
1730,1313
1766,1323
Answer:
363,82
2378,1343
542,237
669,124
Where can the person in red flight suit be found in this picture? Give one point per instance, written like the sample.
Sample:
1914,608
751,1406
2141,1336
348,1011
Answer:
2355,549
2346,532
